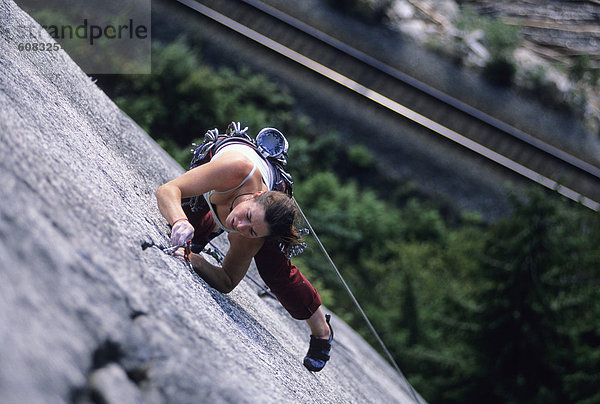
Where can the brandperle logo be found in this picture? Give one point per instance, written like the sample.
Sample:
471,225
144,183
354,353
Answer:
102,37
93,32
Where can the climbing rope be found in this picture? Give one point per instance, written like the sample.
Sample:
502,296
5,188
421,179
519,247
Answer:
379,340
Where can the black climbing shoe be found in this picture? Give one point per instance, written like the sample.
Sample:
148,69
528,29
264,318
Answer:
318,351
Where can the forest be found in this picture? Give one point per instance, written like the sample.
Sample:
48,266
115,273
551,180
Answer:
472,311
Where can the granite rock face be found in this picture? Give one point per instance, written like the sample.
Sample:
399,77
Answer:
89,315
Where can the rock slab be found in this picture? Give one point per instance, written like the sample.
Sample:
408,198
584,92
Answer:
89,312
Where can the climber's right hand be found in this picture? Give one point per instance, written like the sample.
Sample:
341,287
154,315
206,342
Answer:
181,233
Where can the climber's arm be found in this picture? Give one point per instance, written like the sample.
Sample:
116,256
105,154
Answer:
235,265
221,174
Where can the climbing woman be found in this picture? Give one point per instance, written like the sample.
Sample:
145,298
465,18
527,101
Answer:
233,191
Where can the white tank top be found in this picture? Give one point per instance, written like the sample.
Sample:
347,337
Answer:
265,168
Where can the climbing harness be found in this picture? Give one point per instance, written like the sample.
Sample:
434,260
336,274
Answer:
387,352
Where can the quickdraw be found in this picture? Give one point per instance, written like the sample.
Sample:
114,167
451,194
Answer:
187,251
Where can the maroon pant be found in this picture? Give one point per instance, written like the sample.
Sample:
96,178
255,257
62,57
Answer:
292,289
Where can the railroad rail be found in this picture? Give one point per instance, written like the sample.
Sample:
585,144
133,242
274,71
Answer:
384,85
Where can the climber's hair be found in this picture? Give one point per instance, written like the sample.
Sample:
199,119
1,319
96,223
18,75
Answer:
281,215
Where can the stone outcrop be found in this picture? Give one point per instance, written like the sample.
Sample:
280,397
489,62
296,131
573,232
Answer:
89,315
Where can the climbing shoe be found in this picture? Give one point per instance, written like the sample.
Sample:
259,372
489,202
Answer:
318,351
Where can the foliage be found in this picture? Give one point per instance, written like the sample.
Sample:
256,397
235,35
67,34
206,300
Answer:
360,156
313,152
582,70
499,71
500,39
401,265
528,300
469,20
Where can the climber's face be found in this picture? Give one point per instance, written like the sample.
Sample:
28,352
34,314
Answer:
248,219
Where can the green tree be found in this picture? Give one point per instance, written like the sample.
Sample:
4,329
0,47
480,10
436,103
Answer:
518,323
578,299
501,40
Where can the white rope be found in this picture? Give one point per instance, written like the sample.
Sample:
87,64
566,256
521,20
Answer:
389,355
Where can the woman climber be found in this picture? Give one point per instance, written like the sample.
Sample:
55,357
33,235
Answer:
237,184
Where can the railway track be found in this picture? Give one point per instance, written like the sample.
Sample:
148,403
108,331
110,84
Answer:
436,112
